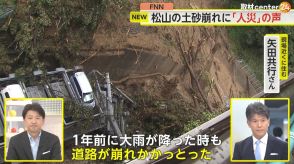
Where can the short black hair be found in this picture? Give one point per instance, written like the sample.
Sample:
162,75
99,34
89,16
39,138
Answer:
257,108
278,132
34,107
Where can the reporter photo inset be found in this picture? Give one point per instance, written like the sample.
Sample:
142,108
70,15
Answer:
260,130
33,130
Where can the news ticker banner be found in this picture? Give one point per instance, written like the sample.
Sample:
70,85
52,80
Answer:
275,61
163,14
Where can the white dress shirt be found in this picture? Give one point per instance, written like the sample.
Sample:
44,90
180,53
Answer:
262,145
34,145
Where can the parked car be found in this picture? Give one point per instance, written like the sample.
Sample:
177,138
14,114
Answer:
12,91
83,88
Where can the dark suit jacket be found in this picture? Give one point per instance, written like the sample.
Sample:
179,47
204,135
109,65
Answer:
276,149
20,149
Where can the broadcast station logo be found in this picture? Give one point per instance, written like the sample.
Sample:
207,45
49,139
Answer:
285,7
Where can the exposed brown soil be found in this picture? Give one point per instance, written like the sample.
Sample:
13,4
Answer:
146,60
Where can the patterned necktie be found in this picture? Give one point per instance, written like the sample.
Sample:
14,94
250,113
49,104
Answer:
257,150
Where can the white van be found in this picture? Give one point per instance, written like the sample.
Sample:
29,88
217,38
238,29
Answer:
83,88
12,91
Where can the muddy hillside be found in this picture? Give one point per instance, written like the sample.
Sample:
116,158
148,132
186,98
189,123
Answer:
180,76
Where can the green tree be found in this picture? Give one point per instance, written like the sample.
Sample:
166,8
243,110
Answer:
46,33
248,41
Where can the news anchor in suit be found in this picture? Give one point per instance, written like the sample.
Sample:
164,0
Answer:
261,145
34,143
